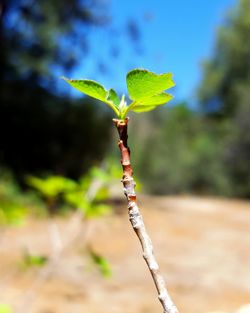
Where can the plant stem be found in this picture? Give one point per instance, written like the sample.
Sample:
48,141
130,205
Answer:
136,219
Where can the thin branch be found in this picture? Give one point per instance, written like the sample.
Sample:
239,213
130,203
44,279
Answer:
136,219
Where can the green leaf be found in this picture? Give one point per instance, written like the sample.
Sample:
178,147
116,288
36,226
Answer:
51,186
95,90
103,195
30,260
143,84
140,109
34,260
159,99
101,263
5,308
89,87
150,103
76,199
97,210
113,97
12,213
146,89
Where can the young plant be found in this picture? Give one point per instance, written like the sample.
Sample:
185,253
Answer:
147,92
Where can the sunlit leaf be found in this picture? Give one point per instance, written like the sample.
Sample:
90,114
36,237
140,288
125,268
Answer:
51,186
95,90
140,109
97,210
113,97
102,194
76,199
151,103
145,88
31,260
101,263
12,213
159,99
89,87
143,84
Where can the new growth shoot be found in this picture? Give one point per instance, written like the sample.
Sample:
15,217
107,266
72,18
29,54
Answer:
146,91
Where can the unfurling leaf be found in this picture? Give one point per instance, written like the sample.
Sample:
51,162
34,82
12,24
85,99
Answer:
112,96
143,84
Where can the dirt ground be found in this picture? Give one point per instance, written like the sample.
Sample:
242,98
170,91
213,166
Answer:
202,245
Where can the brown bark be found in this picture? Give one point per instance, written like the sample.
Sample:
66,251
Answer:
136,219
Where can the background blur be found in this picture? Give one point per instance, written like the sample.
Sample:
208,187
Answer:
59,161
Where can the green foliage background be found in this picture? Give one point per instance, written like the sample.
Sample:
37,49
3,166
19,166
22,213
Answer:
185,155
175,149
206,150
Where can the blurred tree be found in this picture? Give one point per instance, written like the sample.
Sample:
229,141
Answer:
43,132
41,36
224,92
40,129
184,154
237,152
228,71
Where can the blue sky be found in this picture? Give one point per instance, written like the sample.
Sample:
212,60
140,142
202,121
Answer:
175,36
